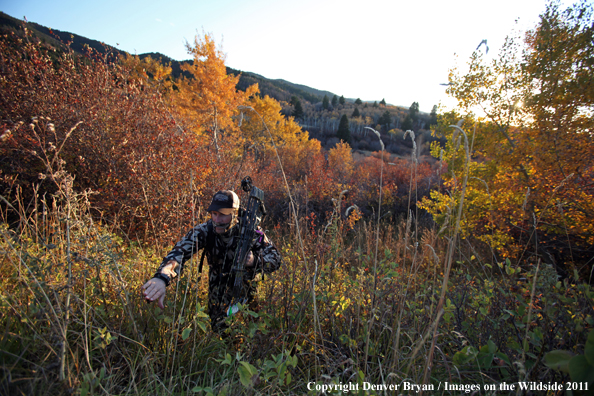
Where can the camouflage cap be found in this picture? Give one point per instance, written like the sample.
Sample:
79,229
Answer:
225,201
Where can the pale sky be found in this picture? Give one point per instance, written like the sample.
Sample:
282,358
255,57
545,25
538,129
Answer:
395,50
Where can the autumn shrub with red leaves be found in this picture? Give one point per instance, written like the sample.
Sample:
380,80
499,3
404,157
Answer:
124,145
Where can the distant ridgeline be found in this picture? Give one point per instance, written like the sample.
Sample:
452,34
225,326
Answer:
318,112
56,38
279,89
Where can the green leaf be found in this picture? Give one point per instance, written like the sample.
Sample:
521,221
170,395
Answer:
281,371
589,352
244,376
186,333
268,375
538,335
515,346
485,360
246,373
167,319
465,356
228,360
206,389
503,357
361,376
268,365
224,391
580,370
492,346
558,360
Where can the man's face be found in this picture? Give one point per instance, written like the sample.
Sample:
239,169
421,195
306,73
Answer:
221,219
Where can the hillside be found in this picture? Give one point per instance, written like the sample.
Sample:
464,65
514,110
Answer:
322,123
279,89
57,38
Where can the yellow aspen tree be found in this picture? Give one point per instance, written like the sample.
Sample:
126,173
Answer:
208,100
147,71
285,132
530,189
340,161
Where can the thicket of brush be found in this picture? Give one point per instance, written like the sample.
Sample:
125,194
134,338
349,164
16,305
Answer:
354,302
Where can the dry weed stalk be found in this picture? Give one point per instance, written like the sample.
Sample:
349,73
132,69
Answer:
450,251
379,210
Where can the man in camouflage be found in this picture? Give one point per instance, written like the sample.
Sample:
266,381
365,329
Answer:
219,236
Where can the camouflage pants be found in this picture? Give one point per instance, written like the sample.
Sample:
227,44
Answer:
218,304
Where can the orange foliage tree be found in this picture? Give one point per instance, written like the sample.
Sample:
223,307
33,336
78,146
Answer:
266,133
208,100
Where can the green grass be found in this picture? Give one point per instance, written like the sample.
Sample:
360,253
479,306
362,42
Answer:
497,322
355,304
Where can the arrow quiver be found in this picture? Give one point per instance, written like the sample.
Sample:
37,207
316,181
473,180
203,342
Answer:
252,216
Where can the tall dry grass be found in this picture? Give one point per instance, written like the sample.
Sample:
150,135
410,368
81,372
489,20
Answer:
379,303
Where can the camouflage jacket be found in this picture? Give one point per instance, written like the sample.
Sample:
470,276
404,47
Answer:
220,258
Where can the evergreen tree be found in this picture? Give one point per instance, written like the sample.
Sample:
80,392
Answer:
325,103
433,116
342,101
413,111
344,133
383,102
356,113
358,102
375,104
334,100
385,120
407,123
298,111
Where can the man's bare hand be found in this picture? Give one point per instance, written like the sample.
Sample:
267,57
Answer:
155,289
